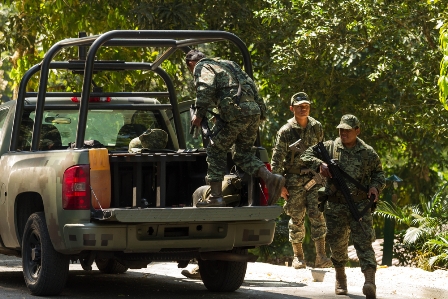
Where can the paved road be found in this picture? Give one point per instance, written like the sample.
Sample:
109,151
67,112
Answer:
163,280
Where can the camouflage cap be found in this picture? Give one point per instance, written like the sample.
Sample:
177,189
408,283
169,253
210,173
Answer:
299,98
154,138
348,122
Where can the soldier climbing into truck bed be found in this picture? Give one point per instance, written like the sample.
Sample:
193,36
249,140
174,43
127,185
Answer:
223,84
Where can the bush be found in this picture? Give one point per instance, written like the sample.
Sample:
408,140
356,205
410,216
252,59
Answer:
425,241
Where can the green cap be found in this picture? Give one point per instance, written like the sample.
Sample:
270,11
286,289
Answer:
348,122
299,98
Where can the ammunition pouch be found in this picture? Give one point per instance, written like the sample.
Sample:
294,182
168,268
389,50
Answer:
316,178
322,198
246,98
229,108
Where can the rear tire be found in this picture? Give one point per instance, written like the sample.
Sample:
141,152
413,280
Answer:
110,266
45,270
223,276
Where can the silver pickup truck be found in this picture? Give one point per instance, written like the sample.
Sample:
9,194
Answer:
72,191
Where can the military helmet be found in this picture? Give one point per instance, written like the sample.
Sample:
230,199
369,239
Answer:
154,138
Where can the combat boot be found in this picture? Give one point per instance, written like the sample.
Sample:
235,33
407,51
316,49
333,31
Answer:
193,274
341,281
215,198
274,184
322,261
369,288
299,258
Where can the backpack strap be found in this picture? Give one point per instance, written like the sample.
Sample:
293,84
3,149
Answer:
239,93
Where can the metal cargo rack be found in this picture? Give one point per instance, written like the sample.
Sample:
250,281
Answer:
173,40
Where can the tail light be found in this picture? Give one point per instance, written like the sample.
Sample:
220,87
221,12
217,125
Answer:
264,195
76,188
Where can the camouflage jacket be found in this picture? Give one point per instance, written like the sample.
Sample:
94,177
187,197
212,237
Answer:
215,83
281,155
361,162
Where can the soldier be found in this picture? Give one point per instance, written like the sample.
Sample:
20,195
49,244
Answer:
300,191
223,84
361,162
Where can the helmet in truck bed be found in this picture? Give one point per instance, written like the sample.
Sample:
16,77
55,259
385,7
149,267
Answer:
151,139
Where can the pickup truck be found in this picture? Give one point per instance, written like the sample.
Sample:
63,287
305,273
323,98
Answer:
71,190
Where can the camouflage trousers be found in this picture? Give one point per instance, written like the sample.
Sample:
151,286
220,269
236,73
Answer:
240,133
341,225
300,202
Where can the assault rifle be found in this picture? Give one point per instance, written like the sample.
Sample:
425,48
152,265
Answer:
337,179
206,132
297,148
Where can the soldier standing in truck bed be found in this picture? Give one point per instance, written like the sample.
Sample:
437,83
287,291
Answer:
223,84
302,183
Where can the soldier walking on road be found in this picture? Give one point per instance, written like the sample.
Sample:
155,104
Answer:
223,84
359,161
300,191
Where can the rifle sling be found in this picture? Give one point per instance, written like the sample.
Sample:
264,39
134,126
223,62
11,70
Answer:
339,182
361,187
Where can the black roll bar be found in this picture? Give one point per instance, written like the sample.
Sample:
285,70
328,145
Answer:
129,38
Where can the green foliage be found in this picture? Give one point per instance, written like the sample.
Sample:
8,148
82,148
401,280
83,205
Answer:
443,79
424,242
375,59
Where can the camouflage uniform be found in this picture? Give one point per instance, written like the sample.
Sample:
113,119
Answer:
216,84
363,164
285,162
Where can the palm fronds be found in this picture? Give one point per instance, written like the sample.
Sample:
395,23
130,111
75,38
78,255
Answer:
427,229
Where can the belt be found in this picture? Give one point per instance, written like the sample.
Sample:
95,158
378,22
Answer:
296,170
339,198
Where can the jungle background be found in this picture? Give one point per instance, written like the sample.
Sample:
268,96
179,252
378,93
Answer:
384,61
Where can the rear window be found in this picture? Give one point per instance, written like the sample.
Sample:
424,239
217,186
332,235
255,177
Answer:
112,128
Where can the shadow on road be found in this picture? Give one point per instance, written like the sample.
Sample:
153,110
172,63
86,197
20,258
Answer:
94,284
